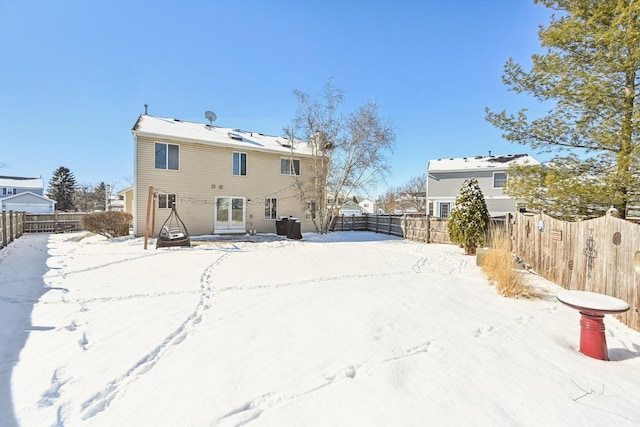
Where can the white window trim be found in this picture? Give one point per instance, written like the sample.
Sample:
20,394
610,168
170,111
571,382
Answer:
493,182
175,200
167,144
440,204
291,162
246,163
276,213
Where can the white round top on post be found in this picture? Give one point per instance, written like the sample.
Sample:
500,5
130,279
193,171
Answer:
592,302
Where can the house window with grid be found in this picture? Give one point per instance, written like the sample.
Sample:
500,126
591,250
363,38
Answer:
270,208
166,201
445,208
239,164
499,179
167,156
289,166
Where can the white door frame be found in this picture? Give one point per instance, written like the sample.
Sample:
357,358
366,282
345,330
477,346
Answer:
232,223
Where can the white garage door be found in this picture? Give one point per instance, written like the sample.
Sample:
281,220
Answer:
29,207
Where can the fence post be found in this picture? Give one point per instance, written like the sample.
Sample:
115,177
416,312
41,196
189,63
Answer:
389,231
19,224
428,235
509,230
10,226
404,227
4,228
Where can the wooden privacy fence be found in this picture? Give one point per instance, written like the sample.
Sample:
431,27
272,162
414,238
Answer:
598,255
11,226
417,227
56,222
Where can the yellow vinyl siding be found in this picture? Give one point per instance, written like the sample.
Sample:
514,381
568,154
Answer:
203,167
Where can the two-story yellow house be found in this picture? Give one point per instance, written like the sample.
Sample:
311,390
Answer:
222,180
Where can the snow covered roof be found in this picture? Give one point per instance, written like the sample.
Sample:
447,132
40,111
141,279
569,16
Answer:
152,126
21,182
501,162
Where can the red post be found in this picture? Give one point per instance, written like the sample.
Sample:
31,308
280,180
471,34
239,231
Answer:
593,342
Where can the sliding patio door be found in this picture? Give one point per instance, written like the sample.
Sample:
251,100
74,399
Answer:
230,215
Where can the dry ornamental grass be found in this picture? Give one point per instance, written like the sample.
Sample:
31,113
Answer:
500,268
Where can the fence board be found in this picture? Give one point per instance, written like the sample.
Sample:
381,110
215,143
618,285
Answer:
596,255
53,222
11,227
409,226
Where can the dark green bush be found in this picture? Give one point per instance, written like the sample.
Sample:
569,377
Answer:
469,218
109,224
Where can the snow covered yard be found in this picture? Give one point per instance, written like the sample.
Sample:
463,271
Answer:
349,329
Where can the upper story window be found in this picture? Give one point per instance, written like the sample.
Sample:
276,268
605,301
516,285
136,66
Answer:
289,166
167,156
8,191
499,179
239,164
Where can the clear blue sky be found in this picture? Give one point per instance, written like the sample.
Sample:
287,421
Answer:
75,74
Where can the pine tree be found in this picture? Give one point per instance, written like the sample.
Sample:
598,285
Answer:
589,76
100,196
61,189
469,219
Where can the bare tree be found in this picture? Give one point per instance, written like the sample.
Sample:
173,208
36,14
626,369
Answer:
389,201
349,151
413,194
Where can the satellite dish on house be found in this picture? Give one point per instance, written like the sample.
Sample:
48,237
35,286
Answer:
211,116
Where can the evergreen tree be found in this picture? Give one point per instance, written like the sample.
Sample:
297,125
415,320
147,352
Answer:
100,196
589,75
61,189
469,218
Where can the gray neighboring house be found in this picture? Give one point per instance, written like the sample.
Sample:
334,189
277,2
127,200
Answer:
445,178
24,194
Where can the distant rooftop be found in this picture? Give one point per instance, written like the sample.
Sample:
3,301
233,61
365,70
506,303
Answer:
17,178
21,182
152,126
480,162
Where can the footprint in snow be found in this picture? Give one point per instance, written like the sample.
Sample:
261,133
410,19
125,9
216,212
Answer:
483,331
524,319
424,348
85,342
50,395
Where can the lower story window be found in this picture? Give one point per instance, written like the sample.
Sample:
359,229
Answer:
270,208
445,208
166,201
310,212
